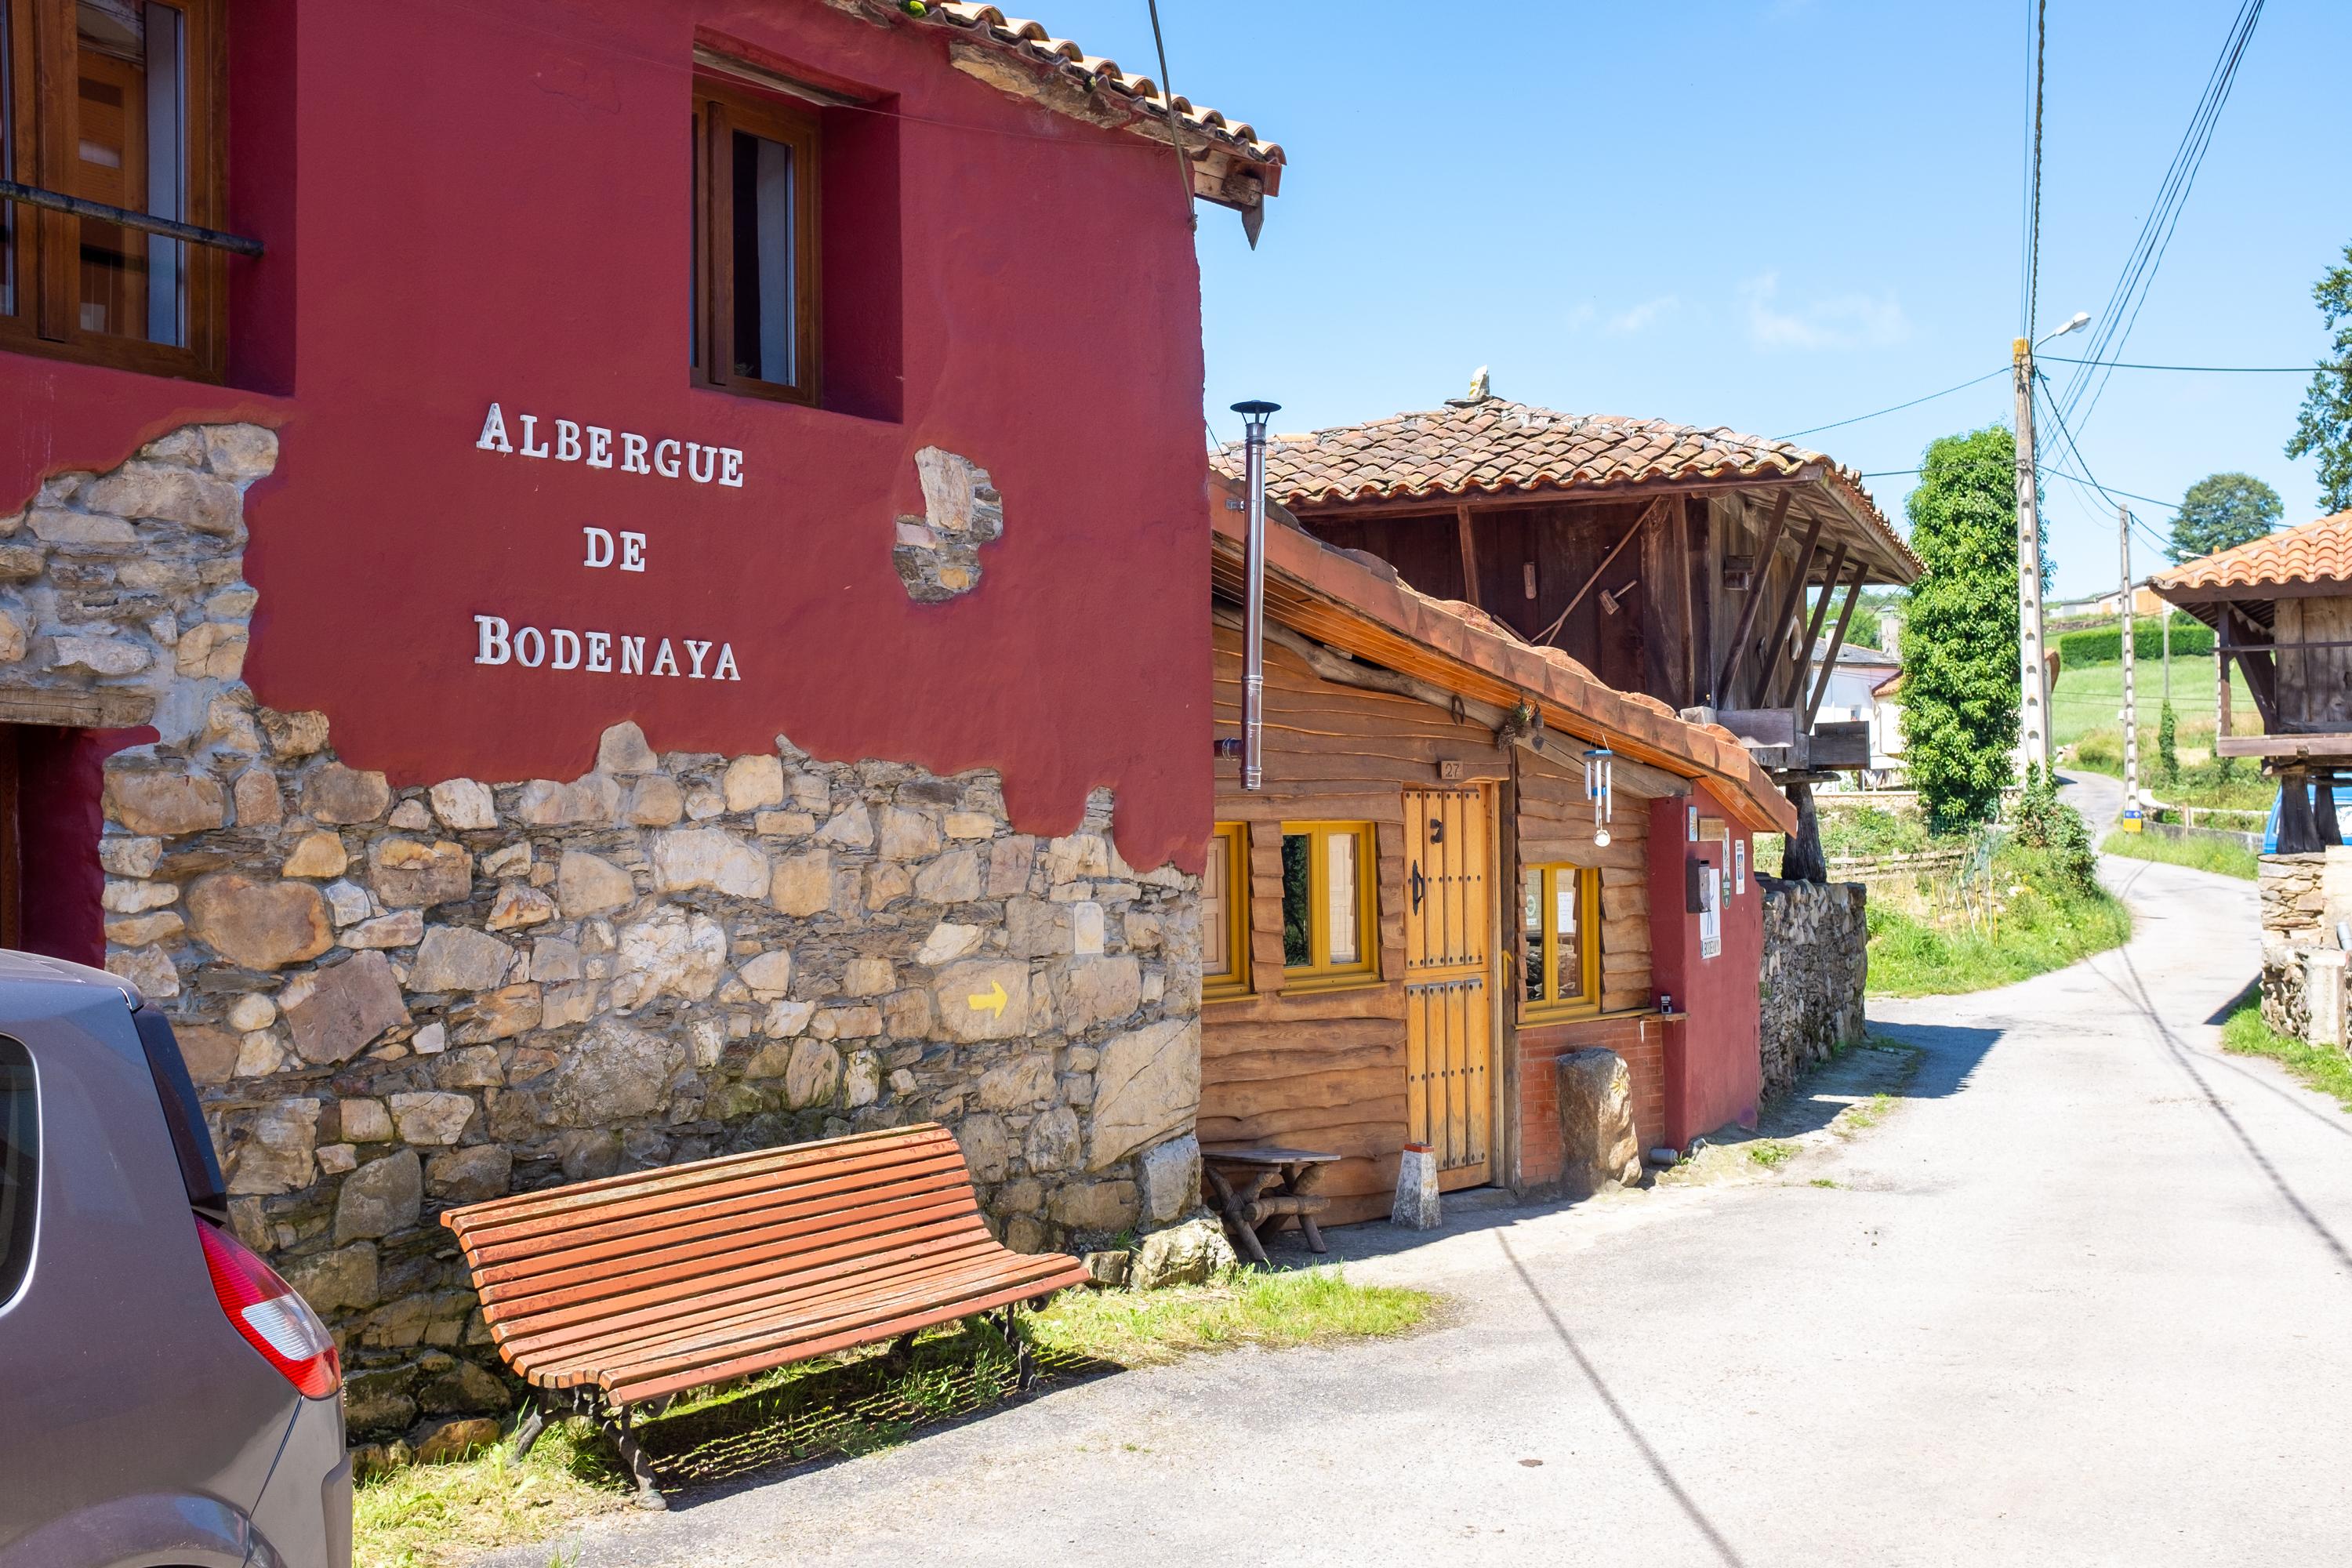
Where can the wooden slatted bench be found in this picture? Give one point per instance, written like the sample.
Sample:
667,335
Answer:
611,1294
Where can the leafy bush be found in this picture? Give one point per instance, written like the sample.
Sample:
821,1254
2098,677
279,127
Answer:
1959,639
2046,823
2104,644
2168,745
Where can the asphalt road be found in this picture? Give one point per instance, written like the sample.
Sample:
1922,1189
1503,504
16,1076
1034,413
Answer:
2078,1299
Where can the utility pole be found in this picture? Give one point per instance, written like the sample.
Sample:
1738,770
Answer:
2131,708
2033,674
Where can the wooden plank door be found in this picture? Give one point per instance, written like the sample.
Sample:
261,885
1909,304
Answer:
1448,955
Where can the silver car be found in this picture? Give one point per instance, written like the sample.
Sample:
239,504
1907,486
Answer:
164,1397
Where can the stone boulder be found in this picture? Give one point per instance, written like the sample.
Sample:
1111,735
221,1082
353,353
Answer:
379,1197
1599,1144
1193,1253
349,1005
1147,1087
615,1073
258,924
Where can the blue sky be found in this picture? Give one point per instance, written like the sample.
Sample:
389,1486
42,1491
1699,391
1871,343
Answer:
1766,215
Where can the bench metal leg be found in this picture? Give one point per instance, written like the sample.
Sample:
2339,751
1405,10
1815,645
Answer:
528,1429
617,1424
1024,1369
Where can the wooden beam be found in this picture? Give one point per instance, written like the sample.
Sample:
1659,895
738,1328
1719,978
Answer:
1768,678
1803,663
1469,558
1746,622
1837,641
1639,778
1699,659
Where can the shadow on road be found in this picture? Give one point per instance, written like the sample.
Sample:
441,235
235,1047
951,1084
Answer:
1950,1054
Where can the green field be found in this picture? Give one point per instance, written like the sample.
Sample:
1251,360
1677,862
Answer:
2090,699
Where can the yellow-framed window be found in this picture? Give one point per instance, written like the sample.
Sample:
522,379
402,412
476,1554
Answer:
1224,913
1559,932
1330,933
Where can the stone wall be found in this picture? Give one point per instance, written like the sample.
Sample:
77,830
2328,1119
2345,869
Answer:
399,999
1816,964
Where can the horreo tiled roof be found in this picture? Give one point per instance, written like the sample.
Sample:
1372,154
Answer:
1492,447
2317,551
1031,42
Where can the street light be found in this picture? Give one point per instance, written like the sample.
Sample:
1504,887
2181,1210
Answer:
2033,674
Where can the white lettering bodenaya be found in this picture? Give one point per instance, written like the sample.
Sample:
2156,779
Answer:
591,446
497,641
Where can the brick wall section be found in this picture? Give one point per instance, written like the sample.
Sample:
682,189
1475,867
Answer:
1640,1040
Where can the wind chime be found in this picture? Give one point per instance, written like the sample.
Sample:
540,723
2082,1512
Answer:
1600,788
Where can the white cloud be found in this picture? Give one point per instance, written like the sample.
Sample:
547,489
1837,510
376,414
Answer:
1581,316
1837,322
1626,323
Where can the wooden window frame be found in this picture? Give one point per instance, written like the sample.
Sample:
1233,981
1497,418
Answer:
41,45
718,111
1553,1008
1229,847
1320,973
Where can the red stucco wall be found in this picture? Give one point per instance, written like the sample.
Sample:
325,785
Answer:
491,202
1713,1071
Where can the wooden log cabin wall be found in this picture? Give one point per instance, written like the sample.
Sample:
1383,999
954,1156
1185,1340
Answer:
1437,1040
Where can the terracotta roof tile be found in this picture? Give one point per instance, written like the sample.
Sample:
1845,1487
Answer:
2317,551
1495,447
1030,41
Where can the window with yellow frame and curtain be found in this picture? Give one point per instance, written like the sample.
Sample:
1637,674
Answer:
1224,914
1330,928
1559,930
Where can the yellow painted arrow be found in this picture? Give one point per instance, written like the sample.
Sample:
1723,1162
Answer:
992,1000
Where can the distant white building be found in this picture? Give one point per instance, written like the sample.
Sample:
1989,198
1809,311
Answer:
1866,685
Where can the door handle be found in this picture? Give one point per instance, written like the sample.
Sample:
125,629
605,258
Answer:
1420,885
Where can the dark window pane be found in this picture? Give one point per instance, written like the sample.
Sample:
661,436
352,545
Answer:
1298,900
19,1165
761,258
128,154
7,169
1531,926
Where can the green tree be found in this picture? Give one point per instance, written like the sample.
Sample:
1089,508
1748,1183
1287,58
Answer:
2168,745
2221,511
2324,428
1959,637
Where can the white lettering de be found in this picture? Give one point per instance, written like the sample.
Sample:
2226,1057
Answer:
632,551
600,547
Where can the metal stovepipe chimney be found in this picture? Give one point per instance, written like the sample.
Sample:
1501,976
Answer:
1254,414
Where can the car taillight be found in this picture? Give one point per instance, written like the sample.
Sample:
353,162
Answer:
272,1318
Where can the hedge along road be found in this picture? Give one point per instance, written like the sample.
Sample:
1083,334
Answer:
2075,1300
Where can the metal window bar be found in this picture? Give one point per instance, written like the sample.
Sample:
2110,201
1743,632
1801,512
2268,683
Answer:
170,228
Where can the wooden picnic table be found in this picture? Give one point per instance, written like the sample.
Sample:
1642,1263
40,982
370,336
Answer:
1239,1175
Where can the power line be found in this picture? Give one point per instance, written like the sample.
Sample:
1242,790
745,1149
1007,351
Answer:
2147,255
2201,369
1898,408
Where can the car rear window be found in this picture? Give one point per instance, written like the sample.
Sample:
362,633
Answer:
20,1124
200,1169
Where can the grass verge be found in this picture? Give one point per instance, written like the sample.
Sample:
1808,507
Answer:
2224,856
2028,924
2329,1071
437,1516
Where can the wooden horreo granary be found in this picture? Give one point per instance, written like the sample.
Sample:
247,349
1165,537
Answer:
1425,907
1667,560
2281,608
